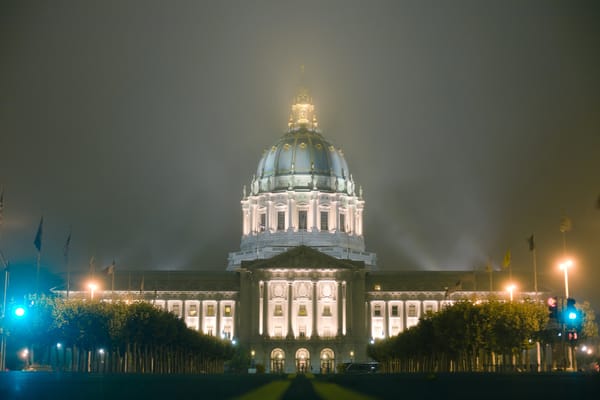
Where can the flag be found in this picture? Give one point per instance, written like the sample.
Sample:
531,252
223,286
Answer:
531,241
110,270
38,236
142,285
507,259
457,287
565,224
67,244
2,204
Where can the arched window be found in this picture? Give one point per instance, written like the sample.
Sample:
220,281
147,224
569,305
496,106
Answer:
277,361
327,361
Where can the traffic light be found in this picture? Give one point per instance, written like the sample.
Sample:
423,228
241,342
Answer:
19,312
553,307
571,315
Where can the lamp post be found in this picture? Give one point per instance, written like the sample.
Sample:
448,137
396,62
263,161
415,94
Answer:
510,288
565,267
93,287
351,356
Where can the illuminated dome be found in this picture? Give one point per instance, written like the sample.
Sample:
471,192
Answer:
302,195
302,159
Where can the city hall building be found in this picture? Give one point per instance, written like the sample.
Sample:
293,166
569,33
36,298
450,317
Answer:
302,293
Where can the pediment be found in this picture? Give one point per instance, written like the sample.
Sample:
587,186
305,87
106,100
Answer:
302,257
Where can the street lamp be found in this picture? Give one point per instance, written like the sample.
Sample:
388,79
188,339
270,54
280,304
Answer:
565,267
351,356
93,287
510,288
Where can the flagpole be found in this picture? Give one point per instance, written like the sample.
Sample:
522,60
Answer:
535,283
4,332
37,275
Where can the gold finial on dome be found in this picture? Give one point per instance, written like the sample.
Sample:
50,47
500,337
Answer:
303,109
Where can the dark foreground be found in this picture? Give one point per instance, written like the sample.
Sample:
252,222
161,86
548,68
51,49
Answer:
49,385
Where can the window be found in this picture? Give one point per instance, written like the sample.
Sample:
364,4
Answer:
227,332
263,222
394,310
210,310
278,331
227,311
377,310
280,220
210,331
412,310
302,220
342,227
302,331
175,309
192,310
278,310
377,287
324,221
326,311
428,308
302,310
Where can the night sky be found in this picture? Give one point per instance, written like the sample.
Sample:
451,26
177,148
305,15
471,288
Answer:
470,126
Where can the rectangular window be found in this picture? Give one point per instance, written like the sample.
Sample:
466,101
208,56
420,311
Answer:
326,311
394,310
342,227
263,222
210,331
175,309
278,332
302,310
302,331
227,332
324,221
280,220
412,310
227,311
302,218
278,310
210,310
192,310
428,308
377,310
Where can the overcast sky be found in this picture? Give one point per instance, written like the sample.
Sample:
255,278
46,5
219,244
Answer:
470,125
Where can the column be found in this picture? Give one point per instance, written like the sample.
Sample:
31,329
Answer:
344,305
261,299
290,333
339,308
218,327
200,316
315,333
386,320
265,305
368,311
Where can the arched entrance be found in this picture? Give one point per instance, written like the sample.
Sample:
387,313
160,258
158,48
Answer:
302,361
277,361
327,361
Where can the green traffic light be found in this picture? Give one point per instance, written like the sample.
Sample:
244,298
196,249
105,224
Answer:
19,311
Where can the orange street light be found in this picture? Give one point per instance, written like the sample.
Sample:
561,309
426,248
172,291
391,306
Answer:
93,286
510,288
565,265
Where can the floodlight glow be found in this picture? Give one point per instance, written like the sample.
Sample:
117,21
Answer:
19,311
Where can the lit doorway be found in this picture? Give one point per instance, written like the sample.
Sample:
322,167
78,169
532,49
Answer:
277,361
327,361
302,361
